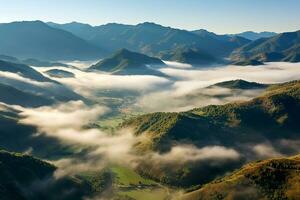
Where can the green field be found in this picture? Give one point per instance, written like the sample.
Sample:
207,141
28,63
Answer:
147,194
129,183
127,177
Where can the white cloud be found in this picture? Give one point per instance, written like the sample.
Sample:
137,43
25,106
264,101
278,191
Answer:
189,153
266,151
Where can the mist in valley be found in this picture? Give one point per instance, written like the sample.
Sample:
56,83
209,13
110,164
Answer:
90,125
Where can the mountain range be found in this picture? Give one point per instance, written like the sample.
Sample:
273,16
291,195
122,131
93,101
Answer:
250,35
282,47
149,38
35,39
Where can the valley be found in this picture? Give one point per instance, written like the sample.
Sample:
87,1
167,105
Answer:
147,111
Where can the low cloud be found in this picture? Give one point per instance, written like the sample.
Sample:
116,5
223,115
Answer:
89,83
266,151
67,122
189,153
177,65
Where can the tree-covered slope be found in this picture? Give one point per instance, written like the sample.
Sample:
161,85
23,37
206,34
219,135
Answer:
18,137
23,177
18,172
240,84
272,115
13,96
266,179
58,73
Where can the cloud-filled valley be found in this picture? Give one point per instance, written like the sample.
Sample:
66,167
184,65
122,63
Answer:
78,123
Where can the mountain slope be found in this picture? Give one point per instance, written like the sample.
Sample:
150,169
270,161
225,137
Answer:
31,62
282,47
18,137
19,171
13,96
24,177
262,117
36,83
125,62
240,84
35,39
23,70
58,73
267,120
267,179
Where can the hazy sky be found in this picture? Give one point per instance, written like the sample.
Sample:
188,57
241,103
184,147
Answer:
221,16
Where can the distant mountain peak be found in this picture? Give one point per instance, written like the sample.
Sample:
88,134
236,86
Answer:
251,35
149,24
124,62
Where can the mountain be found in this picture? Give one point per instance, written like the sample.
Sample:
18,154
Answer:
234,40
250,35
32,62
13,96
270,118
126,62
190,56
18,171
251,62
266,179
282,47
23,70
283,100
58,73
39,63
35,39
84,31
149,38
18,137
240,84
35,83
9,58
24,177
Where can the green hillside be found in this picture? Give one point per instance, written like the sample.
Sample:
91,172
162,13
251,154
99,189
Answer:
274,111
271,117
24,177
240,84
267,179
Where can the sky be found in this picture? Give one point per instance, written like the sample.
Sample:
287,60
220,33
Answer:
220,16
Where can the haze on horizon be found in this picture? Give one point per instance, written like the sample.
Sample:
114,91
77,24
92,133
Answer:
240,16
